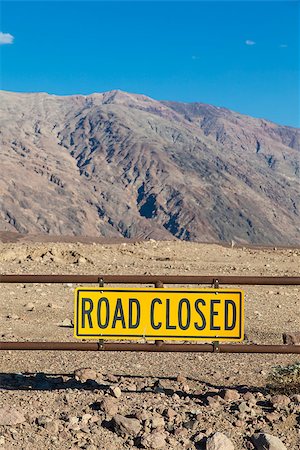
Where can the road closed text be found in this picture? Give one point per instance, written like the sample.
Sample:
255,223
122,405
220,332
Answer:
159,314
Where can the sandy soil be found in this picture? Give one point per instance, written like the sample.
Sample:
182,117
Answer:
62,412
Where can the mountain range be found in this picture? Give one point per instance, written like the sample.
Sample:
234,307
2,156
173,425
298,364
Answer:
118,164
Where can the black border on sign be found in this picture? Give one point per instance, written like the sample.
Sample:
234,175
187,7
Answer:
157,336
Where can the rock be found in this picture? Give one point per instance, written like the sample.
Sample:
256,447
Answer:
272,417
29,307
112,378
219,441
67,323
181,379
239,423
264,441
154,440
231,395
126,426
186,388
132,388
94,418
213,402
110,406
84,428
73,420
296,398
86,417
291,338
81,260
64,434
159,387
52,427
249,397
85,374
172,442
170,413
43,420
10,416
180,432
74,426
280,400
190,424
143,415
13,316
115,391
243,407
197,438
157,422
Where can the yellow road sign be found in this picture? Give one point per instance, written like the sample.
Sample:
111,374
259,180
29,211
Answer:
169,314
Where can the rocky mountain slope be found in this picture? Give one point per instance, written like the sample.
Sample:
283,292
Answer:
120,164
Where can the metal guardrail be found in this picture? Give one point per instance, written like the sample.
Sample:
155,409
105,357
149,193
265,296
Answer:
152,279
158,281
157,347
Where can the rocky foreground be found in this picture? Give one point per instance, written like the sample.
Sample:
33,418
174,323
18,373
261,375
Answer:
113,401
170,414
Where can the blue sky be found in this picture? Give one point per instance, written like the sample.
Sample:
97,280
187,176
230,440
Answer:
243,55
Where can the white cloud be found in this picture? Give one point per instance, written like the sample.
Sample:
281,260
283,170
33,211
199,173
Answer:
283,45
249,42
6,38
194,57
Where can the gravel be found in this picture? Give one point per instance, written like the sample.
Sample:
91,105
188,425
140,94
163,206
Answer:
71,400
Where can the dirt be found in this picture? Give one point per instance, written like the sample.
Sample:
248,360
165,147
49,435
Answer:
62,412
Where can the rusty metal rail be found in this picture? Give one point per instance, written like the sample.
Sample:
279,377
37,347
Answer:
152,279
157,347
158,281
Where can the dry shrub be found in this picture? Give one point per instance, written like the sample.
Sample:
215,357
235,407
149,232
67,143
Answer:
285,379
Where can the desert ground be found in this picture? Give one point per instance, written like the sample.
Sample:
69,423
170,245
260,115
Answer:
143,400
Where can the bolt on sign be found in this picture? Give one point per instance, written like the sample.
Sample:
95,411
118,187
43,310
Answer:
148,313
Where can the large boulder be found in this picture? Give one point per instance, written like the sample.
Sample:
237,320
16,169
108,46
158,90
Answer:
264,441
126,426
219,441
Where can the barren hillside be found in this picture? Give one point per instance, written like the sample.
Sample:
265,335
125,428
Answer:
125,165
